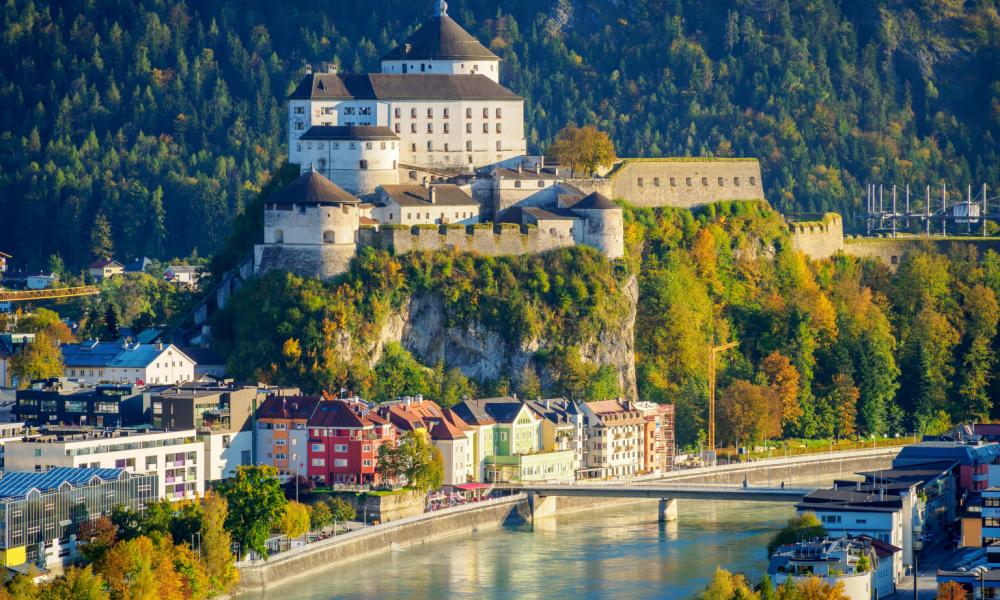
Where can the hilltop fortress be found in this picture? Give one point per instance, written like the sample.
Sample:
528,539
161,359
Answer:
430,154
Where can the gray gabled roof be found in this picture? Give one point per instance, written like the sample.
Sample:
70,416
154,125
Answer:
312,188
595,201
348,132
415,195
390,86
441,38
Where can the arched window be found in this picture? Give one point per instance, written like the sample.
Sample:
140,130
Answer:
279,236
328,237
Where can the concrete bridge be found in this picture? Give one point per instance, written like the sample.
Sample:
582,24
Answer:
542,496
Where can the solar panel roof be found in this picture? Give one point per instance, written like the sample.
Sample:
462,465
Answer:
15,485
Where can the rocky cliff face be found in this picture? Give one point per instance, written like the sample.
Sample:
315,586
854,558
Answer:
486,355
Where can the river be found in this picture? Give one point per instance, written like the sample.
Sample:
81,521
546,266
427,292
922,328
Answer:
619,552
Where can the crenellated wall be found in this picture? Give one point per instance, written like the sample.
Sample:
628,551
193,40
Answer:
489,240
818,239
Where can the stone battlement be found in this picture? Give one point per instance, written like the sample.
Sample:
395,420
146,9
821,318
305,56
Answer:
485,239
821,238
686,182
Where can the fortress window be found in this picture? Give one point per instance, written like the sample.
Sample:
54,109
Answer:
736,181
409,216
383,145
722,182
446,147
704,181
279,236
397,127
486,127
413,147
430,146
468,128
423,67
302,208
468,113
328,237
688,180
413,127
336,145
430,128
413,175
444,113
368,145
498,127
498,146
468,146
353,146
413,113
446,129
517,183
541,183
639,182
430,113
499,112
673,182
656,182
398,112
486,113
753,181
363,165
298,147
470,160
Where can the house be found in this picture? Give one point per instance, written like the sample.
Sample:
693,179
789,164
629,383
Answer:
282,432
139,265
104,268
42,511
222,414
11,344
482,435
446,431
62,401
658,436
175,457
41,281
92,362
427,204
518,453
973,457
344,438
616,432
186,275
561,427
846,561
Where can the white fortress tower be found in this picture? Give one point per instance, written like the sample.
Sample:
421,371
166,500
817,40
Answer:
439,92
442,46
358,158
310,228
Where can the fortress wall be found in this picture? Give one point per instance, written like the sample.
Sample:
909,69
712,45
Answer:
604,187
323,261
818,239
685,183
506,239
891,250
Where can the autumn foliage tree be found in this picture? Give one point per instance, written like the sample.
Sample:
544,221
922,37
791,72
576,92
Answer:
584,148
748,413
41,359
951,590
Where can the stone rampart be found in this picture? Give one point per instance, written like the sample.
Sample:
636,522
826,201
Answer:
306,260
818,239
605,187
685,182
489,240
891,250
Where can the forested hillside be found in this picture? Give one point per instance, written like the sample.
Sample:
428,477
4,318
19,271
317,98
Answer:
144,126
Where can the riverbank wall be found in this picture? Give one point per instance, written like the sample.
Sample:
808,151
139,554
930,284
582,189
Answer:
396,535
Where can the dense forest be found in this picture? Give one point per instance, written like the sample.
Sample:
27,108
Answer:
831,348
144,127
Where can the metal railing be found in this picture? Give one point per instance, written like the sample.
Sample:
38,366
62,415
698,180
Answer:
47,294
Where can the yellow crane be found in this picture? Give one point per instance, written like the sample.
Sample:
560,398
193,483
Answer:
49,294
713,352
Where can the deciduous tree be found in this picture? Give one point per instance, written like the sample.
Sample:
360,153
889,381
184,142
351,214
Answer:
216,544
255,502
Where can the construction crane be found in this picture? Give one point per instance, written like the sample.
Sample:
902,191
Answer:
49,294
713,352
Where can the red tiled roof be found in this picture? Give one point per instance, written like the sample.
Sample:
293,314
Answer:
288,407
446,431
337,413
453,418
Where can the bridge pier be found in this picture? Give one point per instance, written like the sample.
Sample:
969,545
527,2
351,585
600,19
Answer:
668,510
541,506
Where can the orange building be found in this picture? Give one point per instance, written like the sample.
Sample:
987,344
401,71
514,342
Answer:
282,433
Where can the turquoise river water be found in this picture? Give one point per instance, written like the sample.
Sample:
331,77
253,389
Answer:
618,552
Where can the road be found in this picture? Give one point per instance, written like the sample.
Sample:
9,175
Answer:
928,563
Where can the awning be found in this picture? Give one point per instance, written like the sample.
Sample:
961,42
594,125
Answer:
468,487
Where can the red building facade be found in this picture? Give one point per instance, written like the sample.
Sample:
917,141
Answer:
344,438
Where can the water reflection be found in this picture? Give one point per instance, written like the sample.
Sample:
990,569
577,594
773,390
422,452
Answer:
620,552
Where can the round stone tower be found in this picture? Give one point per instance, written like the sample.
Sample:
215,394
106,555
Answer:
603,225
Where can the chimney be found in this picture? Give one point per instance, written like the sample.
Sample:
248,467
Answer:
332,68
420,397
541,160
520,167
426,183
433,195
309,69
538,168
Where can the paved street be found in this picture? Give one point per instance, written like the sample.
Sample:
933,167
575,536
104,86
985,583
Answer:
928,563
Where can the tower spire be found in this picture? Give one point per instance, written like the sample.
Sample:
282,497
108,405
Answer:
441,9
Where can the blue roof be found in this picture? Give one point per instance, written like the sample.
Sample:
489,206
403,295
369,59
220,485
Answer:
17,484
90,353
966,454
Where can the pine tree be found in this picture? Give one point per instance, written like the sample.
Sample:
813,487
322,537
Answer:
110,322
101,246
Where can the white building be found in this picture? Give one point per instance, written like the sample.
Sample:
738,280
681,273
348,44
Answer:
177,457
438,92
183,274
93,362
358,158
451,436
428,204
848,562
41,281
614,440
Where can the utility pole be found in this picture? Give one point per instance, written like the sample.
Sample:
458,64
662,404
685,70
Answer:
944,209
927,208
985,208
893,211
713,352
